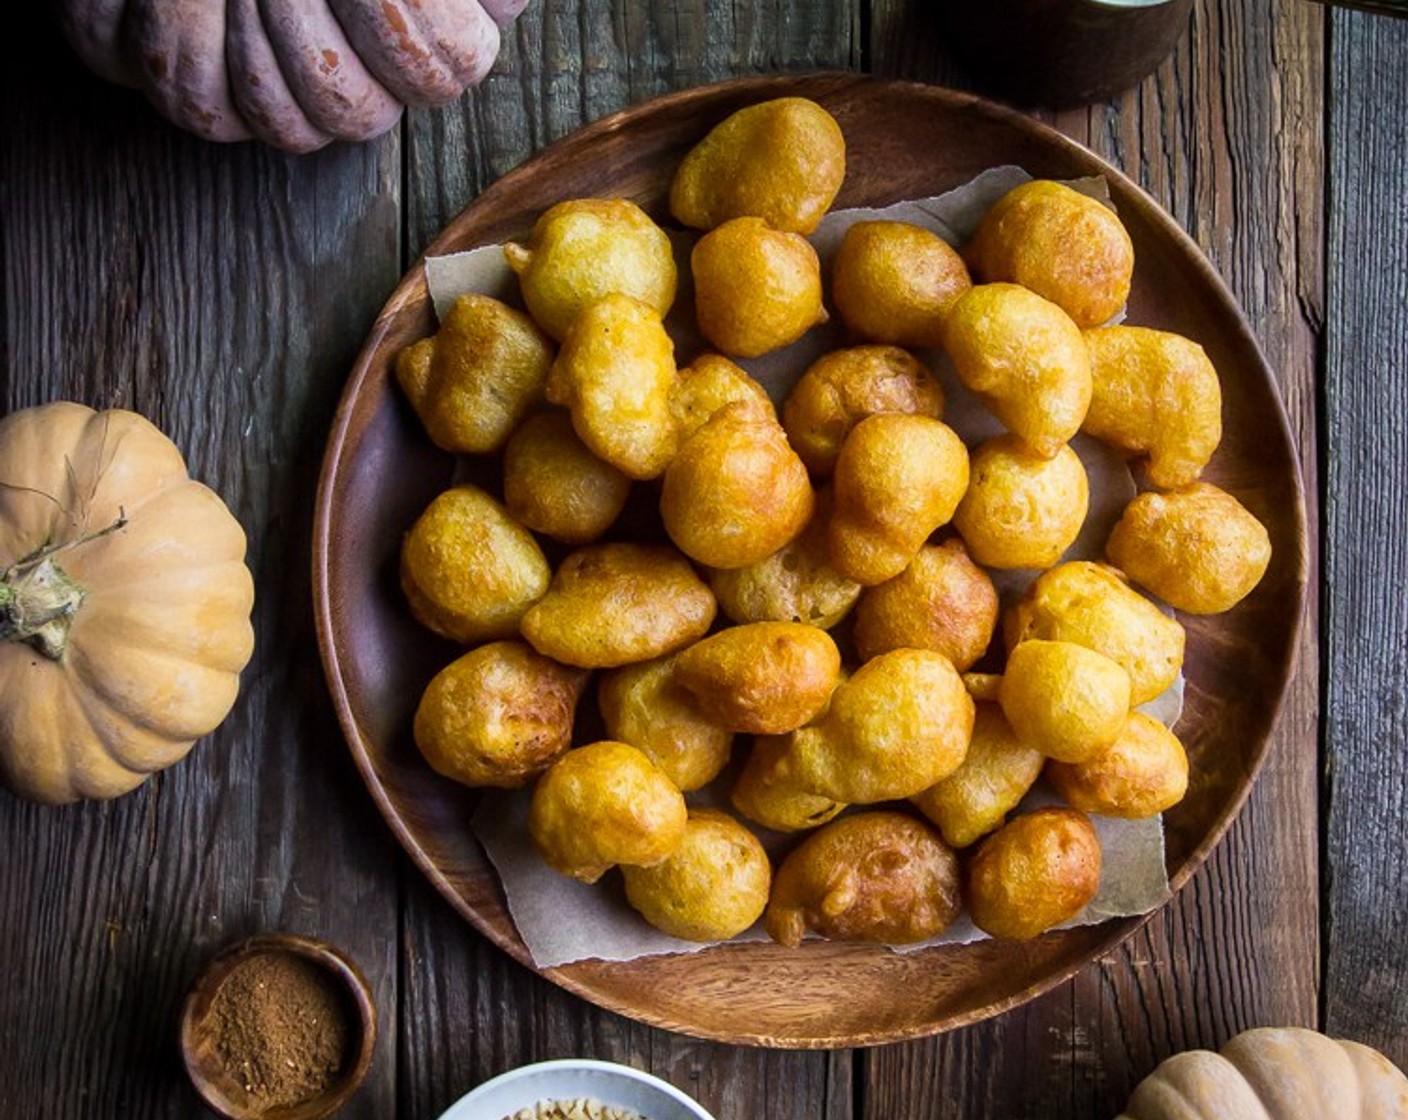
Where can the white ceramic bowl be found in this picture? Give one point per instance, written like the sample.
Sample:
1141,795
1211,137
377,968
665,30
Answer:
571,1079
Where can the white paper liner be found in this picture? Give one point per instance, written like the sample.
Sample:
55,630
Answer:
562,920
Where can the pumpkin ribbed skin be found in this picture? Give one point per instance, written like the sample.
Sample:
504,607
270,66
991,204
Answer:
154,650
1274,1073
294,73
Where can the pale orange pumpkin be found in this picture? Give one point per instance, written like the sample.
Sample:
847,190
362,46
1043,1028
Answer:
124,603
1274,1073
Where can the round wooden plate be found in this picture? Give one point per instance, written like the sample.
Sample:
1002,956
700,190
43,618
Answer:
903,141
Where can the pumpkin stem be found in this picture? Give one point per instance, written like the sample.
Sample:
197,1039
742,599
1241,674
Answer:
38,599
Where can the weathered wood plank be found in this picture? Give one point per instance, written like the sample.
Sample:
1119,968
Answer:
1366,402
1226,135
568,63
223,292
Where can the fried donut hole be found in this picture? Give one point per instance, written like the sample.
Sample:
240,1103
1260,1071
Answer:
899,725
714,886
1156,394
880,876
554,485
1091,605
942,601
767,793
781,160
795,584
842,388
898,478
756,289
1197,548
1022,357
996,774
469,570
498,716
612,604
764,677
616,373
1021,510
601,805
1038,870
645,706
1143,773
709,384
895,282
1063,245
1066,701
477,376
584,249
983,686
736,492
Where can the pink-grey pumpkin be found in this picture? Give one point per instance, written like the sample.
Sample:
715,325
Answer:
296,74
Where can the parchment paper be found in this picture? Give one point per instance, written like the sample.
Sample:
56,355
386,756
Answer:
562,920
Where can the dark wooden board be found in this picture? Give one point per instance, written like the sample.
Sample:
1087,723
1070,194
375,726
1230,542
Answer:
222,291
1214,134
1366,619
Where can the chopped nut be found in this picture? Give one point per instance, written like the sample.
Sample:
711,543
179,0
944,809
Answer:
581,1108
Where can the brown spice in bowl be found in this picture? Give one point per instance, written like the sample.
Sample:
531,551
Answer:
280,1029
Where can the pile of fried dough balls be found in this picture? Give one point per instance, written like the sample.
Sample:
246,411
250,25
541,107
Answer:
718,620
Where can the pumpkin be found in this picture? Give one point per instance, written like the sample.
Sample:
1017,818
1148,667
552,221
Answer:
1274,1073
124,603
296,74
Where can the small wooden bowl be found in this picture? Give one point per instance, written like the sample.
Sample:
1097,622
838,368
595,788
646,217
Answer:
197,1051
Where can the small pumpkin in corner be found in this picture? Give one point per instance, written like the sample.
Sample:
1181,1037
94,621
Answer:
124,603
1274,1073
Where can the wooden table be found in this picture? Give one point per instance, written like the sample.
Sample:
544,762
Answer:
225,291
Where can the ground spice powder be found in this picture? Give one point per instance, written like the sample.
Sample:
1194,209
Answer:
279,1028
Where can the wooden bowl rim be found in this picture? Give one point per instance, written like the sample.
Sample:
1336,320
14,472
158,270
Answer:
335,963
412,290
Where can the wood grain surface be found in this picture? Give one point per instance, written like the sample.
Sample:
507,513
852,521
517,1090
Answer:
222,291
1366,430
225,292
